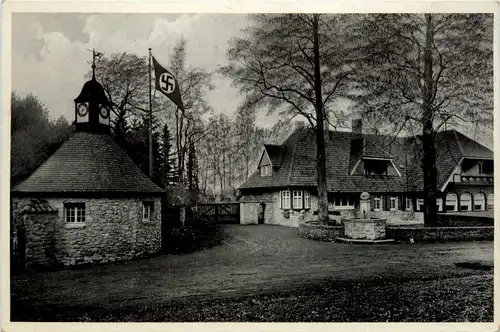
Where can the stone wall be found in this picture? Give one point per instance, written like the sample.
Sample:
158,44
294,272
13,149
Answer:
113,230
398,215
440,234
293,218
370,229
462,220
320,232
249,213
274,215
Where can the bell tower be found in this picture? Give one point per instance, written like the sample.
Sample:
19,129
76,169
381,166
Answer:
92,107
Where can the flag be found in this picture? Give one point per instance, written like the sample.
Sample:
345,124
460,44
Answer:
166,83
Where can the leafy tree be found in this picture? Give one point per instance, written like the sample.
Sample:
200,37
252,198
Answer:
34,136
169,173
297,64
426,71
194,83
135,144
125,80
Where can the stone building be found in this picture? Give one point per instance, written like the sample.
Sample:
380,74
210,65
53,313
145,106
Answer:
89,202
283,188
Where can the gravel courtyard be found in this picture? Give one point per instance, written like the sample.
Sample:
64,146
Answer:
253,260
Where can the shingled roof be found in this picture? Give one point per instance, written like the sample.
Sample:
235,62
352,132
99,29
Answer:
88,163
275,153
298,161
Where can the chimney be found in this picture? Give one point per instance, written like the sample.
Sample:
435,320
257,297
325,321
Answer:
357,140
357,127
299,124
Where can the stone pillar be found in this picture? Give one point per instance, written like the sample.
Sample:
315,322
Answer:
364,205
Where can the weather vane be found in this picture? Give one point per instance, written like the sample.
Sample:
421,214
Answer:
95,55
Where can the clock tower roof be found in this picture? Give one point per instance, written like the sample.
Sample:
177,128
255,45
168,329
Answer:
92,91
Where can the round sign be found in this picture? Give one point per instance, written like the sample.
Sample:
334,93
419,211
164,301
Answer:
167,83
104,111
364,195
82,109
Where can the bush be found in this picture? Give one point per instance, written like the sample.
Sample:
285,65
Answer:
197,233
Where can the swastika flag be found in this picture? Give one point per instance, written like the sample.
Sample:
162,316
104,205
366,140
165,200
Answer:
167,84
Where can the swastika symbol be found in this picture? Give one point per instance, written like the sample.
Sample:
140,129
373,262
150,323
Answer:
167,83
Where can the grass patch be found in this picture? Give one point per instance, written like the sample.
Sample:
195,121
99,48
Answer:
459,299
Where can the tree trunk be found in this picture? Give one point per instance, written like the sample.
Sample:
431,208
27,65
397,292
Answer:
320,138
428,144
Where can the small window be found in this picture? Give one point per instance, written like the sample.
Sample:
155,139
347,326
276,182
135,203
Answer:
343,201
285,199
409,204
265,170
451,202
465,202
307,200
490,201
479,202
420,204
377,203
393,203
439,204
74,212
297,199
147,210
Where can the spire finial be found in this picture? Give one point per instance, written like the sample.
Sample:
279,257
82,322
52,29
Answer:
93,63
95,55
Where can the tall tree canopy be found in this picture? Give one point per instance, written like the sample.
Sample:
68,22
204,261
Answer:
194,84
425,71
124,78
296,64
34,136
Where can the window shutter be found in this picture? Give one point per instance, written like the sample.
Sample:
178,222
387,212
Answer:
372,203
385,203
281,199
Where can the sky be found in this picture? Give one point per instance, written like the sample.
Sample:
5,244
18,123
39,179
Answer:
53,48
50,52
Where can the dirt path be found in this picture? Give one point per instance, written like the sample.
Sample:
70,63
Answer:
253,259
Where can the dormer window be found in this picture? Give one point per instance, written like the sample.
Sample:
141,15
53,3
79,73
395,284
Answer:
477,167
265,170
376,167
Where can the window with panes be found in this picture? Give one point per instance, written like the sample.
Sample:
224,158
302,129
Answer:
74,212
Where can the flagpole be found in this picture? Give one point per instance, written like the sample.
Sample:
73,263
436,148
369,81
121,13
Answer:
150,121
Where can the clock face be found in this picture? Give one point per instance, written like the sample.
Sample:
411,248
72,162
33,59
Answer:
104,111
82,109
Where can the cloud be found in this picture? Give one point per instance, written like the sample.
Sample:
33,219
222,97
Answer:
54,70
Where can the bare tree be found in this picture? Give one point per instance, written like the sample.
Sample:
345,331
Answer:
425,71
124,78
296,64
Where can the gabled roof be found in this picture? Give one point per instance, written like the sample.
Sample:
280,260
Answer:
472,149
275,153
88,163
298,164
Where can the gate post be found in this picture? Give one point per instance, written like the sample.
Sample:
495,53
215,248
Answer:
216,206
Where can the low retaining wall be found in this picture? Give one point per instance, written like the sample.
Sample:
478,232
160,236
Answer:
440,234
463,220
320,232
